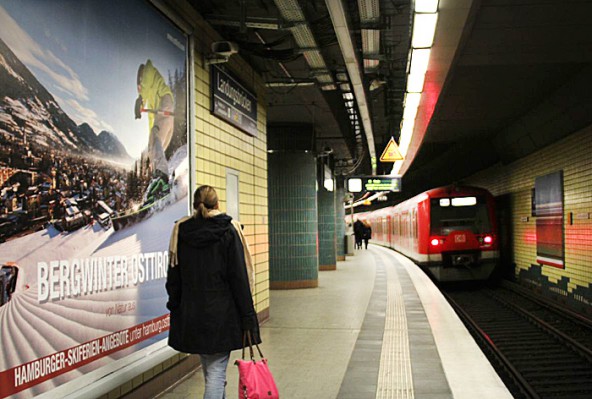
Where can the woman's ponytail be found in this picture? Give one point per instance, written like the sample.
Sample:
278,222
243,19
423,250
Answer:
202,211
205,199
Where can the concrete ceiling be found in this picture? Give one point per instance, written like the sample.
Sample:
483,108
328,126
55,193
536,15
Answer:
506,78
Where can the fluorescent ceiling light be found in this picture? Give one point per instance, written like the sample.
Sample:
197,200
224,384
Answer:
411,104
412,100
409,113
348,96
424,28
406,133
396,168
406,129
426,5
420,57
415,82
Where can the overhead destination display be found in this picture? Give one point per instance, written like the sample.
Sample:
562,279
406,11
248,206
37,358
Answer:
358,184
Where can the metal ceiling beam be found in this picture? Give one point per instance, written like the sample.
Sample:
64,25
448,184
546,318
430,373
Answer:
338,18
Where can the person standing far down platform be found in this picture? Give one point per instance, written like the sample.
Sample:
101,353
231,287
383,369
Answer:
358,232
366,233
209,291
155,97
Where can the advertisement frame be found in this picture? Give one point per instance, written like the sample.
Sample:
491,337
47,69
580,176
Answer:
139,361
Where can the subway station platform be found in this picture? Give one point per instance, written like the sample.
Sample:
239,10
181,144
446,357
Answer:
376,327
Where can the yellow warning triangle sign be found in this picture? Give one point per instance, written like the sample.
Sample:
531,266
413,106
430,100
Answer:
391,152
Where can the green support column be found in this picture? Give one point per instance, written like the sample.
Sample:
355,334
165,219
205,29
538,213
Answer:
293,215
293,252
340,223
327,239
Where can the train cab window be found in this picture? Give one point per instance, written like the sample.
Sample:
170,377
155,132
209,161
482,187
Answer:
464,201
467,213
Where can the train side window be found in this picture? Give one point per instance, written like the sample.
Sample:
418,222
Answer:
405,224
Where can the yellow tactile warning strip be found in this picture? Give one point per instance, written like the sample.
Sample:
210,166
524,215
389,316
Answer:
394,376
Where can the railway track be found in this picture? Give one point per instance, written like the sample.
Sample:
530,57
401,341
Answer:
539,350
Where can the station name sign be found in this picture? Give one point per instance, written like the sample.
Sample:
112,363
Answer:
232,102
358,184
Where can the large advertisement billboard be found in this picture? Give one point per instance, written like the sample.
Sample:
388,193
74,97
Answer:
93,173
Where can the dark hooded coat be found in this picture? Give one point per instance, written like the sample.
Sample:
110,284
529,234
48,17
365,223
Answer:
209,295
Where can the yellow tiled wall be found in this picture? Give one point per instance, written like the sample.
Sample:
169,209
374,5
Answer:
220,145
573,155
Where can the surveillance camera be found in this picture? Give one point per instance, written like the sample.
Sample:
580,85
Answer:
224,49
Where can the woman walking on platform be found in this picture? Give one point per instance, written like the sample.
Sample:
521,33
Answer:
209,291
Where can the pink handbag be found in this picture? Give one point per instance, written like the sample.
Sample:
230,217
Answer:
254,378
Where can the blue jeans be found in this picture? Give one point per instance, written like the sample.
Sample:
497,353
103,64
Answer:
214,370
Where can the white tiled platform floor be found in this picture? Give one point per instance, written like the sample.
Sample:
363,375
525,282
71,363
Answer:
311,335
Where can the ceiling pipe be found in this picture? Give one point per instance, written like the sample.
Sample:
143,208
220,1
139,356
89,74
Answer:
342,30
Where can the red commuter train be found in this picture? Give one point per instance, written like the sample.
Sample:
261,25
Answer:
450,231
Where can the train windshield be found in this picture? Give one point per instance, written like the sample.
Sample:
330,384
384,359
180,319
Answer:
459,213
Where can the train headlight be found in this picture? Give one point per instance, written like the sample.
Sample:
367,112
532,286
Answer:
488,239
435,242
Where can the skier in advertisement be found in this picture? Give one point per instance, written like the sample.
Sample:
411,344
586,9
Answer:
156,98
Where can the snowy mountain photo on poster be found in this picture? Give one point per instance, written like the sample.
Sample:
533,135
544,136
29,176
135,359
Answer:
68,88
93,174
